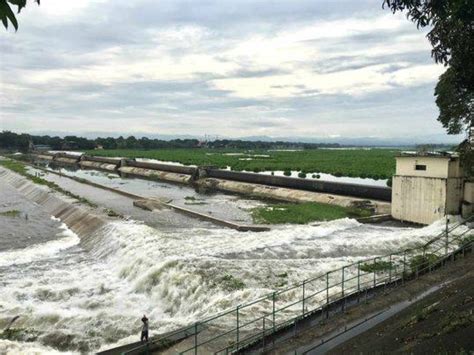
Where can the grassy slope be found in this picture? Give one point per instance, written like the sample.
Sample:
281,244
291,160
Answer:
303,213
374,163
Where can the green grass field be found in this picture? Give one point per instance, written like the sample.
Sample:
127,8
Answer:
365,163
303,213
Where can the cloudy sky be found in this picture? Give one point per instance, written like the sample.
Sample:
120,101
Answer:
302,68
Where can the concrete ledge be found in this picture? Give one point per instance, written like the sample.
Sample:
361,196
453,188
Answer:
155,204
157,174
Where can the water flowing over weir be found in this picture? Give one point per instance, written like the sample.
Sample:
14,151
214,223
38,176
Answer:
76,218
90,294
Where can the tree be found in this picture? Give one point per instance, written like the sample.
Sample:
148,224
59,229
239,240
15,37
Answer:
6,12
452,38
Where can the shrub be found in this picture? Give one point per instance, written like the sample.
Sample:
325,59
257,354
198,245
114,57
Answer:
376,266
302,175
420,262
287,173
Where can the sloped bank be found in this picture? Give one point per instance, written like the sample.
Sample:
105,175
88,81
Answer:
79,219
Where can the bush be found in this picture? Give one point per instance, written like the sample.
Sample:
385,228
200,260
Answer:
302,175
376,266
287,173
389,182
420,262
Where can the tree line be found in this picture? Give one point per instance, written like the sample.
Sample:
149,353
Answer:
25,142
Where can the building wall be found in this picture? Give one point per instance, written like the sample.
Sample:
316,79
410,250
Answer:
418,199
436,167
469,192
468,200
454,195
455,169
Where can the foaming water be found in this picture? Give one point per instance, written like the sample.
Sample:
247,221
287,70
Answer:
8,347
66,240
83,296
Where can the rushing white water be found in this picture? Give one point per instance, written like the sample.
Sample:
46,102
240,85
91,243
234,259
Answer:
41,251
84,296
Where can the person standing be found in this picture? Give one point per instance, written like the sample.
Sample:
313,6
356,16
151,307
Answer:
144,336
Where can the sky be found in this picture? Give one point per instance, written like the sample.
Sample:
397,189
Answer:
232,68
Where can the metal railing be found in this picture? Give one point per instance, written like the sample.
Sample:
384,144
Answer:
246,324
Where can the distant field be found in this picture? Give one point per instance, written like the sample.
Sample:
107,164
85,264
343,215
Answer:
365,163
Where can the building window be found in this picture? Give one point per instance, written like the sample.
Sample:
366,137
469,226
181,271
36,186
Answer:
420,167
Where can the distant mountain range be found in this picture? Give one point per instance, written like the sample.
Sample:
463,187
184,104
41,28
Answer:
441,139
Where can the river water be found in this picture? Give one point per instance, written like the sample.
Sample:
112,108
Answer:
77,296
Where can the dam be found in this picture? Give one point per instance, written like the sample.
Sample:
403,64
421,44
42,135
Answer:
89,277
251,184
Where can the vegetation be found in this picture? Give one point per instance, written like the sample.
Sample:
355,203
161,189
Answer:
377,266
11,213
303,213
365,163
7,14
451,35
14,141
20,168
422,261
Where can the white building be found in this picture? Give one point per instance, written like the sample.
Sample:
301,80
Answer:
428,186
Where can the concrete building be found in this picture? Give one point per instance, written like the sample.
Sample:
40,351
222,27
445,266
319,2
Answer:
428,186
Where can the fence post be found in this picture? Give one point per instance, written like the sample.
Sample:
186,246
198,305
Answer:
238,326
304,283
404,265
375,274
263,333
327,295
343,306
273,313
196,338
358,281
447,235
390,270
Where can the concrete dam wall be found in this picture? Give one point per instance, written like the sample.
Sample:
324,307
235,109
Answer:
76,217
330,187
266,186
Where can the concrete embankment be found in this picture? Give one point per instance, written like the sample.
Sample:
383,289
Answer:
80,220
156,174
263,186
153,204
290,195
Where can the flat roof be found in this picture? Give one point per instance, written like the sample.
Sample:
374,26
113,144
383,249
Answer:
413,154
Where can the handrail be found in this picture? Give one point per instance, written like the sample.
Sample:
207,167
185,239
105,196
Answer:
407,259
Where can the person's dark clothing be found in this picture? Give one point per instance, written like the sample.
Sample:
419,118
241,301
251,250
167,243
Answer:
144,336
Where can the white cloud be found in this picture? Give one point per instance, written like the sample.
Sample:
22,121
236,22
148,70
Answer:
162,65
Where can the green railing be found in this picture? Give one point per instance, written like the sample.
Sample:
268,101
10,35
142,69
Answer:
245,324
